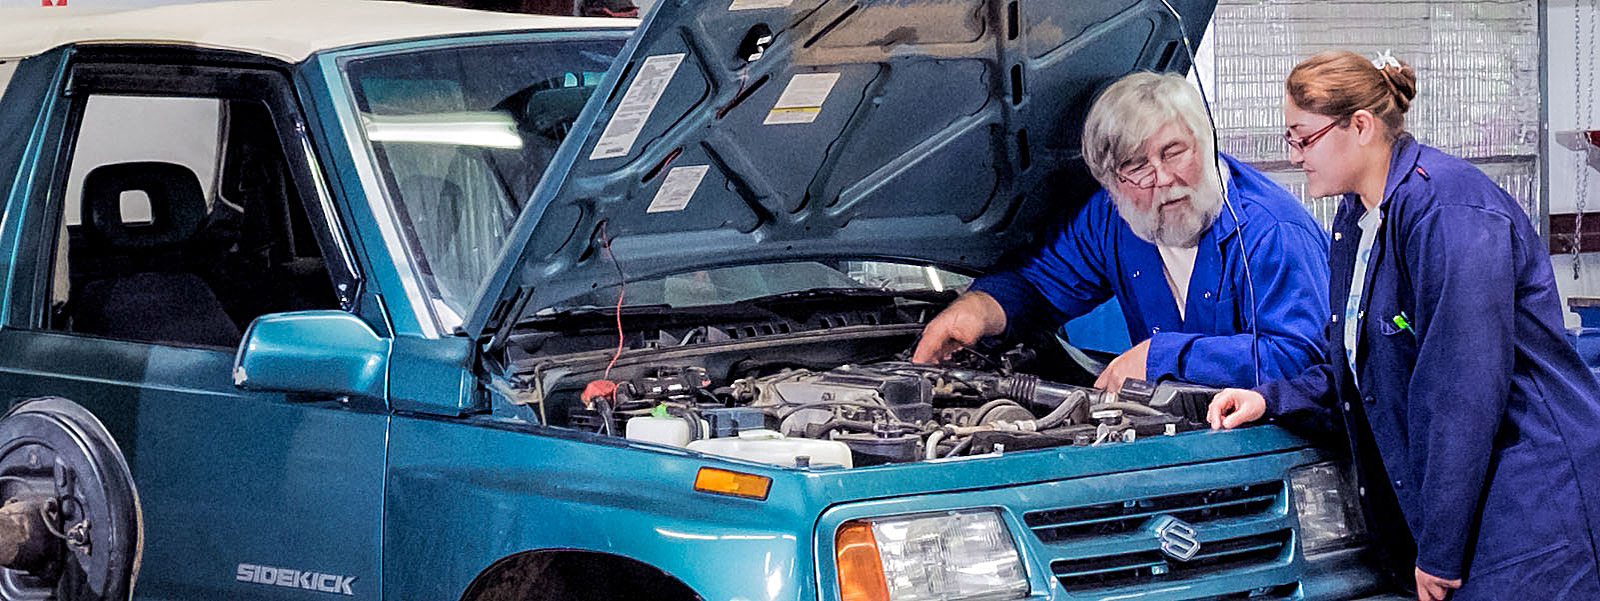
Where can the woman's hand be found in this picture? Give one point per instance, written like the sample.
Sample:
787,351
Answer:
1434,588
1234,407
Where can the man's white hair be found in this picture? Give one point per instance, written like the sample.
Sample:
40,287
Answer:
1131,110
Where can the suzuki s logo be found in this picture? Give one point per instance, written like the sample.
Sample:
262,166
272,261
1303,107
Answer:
1177,538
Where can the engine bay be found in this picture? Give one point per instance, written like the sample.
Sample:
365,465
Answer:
815,410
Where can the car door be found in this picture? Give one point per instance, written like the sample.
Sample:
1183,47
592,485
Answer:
160,204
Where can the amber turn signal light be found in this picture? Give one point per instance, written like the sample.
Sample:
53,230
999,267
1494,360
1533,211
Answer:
860,570
737,484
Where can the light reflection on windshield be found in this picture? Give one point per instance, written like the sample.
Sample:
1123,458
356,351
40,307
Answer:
461,137
479,130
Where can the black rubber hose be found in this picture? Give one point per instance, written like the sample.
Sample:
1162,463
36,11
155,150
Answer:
824,429
1028,388
1070,430
603,407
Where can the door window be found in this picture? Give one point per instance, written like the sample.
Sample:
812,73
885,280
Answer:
181,222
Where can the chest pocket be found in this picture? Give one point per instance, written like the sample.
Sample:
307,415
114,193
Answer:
1226,316
1388,344
1391,344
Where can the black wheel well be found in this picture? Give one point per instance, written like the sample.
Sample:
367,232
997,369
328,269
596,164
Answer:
573,575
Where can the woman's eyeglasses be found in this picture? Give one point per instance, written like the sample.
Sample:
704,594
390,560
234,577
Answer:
1301,144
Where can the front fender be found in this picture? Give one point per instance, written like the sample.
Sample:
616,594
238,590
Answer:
460,496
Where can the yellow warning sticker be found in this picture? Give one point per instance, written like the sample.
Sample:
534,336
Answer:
802,100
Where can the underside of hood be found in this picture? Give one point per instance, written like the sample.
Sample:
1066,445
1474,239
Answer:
743,131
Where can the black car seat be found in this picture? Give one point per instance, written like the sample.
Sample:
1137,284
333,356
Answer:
269,259
148,292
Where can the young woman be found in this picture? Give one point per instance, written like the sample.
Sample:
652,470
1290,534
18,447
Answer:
1445,351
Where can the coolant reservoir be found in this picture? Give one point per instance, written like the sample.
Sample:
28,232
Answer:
671,431
768,446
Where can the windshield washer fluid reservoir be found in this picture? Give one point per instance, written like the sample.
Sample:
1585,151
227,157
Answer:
768,446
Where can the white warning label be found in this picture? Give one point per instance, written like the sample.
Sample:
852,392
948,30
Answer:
677,188
634,110
802,100
758,4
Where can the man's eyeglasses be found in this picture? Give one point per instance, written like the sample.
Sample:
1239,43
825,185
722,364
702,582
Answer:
1142,174
1301,144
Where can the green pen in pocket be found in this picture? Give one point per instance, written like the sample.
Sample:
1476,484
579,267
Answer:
1401,322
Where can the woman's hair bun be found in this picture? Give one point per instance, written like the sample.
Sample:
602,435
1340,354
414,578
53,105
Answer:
1402,81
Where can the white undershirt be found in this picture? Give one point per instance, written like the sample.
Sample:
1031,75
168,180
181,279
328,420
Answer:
1178,264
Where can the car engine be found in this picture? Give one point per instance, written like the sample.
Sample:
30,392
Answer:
882,412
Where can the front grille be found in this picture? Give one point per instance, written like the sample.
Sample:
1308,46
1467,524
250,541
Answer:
1104,519
1148,567
1282,592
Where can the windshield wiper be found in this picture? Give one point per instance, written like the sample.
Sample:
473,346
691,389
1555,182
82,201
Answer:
761,307
606,310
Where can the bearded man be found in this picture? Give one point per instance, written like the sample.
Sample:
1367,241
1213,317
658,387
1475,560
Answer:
1158,237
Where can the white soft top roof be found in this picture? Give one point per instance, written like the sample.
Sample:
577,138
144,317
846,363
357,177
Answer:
285,29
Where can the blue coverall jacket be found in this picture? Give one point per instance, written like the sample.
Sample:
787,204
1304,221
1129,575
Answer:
1485,419
1097,256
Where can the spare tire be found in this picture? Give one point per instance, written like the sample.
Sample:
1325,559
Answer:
70,523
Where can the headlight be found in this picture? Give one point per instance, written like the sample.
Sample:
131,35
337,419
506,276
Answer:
954,555
1326,500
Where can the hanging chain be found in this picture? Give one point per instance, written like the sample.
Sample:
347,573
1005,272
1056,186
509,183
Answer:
1583,75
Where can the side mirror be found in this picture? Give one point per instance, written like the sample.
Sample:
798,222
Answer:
320,352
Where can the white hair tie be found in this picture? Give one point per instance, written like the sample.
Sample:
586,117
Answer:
1384,60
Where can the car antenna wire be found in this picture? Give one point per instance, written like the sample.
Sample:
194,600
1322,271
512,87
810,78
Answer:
1238,236
622,290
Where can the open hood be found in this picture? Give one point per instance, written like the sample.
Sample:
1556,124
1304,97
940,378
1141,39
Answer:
742,131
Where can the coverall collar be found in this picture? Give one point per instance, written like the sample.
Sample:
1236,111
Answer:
1402,163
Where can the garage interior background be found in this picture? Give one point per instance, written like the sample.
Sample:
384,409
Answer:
1507,84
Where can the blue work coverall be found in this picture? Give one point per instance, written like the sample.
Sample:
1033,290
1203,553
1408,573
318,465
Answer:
1486,421
1097,256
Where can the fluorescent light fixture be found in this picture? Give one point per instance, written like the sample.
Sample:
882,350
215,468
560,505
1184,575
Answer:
479,129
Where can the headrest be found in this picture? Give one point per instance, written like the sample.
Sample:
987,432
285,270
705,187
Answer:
177,204
550,113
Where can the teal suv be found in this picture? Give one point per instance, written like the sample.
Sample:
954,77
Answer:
367,300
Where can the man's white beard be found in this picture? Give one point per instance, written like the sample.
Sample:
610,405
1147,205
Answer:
1181,226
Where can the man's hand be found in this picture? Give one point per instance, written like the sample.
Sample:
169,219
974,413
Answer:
1129,364
1434,588
1234,407
971,316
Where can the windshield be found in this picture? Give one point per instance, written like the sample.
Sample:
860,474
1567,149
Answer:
461,136
744,282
